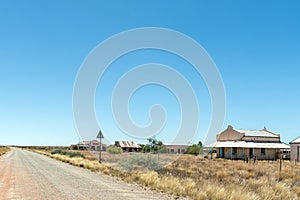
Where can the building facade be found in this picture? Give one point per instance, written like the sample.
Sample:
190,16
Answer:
295,150
242,144
129,146
93,145
180,149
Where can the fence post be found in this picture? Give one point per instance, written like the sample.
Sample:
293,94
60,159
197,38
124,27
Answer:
280,166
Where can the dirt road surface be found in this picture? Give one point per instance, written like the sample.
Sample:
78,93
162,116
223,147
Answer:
27,175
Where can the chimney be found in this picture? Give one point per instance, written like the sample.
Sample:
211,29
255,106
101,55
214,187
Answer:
230,127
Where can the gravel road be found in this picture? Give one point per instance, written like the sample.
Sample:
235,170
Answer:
28,175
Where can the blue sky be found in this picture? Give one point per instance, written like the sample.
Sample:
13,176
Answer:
43,44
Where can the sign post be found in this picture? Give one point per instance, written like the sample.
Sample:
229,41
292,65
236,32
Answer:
100,136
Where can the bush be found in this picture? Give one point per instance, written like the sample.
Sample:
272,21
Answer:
67,153
114,150
162,150
75,154
141,162
59,151
194,149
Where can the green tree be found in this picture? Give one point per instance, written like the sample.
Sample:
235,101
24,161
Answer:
194,149
146,148
154,145
114,150
200,144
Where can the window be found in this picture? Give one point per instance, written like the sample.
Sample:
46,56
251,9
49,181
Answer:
234,150
263,151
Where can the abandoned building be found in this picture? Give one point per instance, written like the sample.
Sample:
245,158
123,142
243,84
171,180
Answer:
93,145
241,144
129,146
175,148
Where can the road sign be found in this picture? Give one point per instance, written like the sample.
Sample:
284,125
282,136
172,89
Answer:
100,135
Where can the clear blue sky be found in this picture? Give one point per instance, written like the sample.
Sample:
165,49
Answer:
255,44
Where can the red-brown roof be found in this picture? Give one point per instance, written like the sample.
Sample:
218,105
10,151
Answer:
128,144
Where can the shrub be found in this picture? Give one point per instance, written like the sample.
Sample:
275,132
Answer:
114,150
59,151
140,162
194,149
71,154
75,154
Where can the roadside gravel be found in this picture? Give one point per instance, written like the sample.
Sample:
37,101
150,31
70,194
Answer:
28,175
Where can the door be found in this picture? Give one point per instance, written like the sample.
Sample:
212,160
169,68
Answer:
251,152
222,149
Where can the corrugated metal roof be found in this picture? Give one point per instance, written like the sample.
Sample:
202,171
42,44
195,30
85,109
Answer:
243,144
256,133
297,140
128,144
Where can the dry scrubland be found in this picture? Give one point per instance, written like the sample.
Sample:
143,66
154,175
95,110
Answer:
199,178
3,150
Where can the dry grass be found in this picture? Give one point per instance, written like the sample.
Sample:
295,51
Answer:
4,150
225,179
113,160
88,163
92,165
200,178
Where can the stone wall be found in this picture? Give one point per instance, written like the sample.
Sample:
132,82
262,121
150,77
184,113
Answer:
230,135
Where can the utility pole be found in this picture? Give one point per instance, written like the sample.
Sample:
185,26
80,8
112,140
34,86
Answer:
100,136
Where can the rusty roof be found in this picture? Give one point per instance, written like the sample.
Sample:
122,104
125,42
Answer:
128,144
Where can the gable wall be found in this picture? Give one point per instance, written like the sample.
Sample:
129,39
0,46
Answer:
230,135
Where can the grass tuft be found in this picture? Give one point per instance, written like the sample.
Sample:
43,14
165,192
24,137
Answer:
4,150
